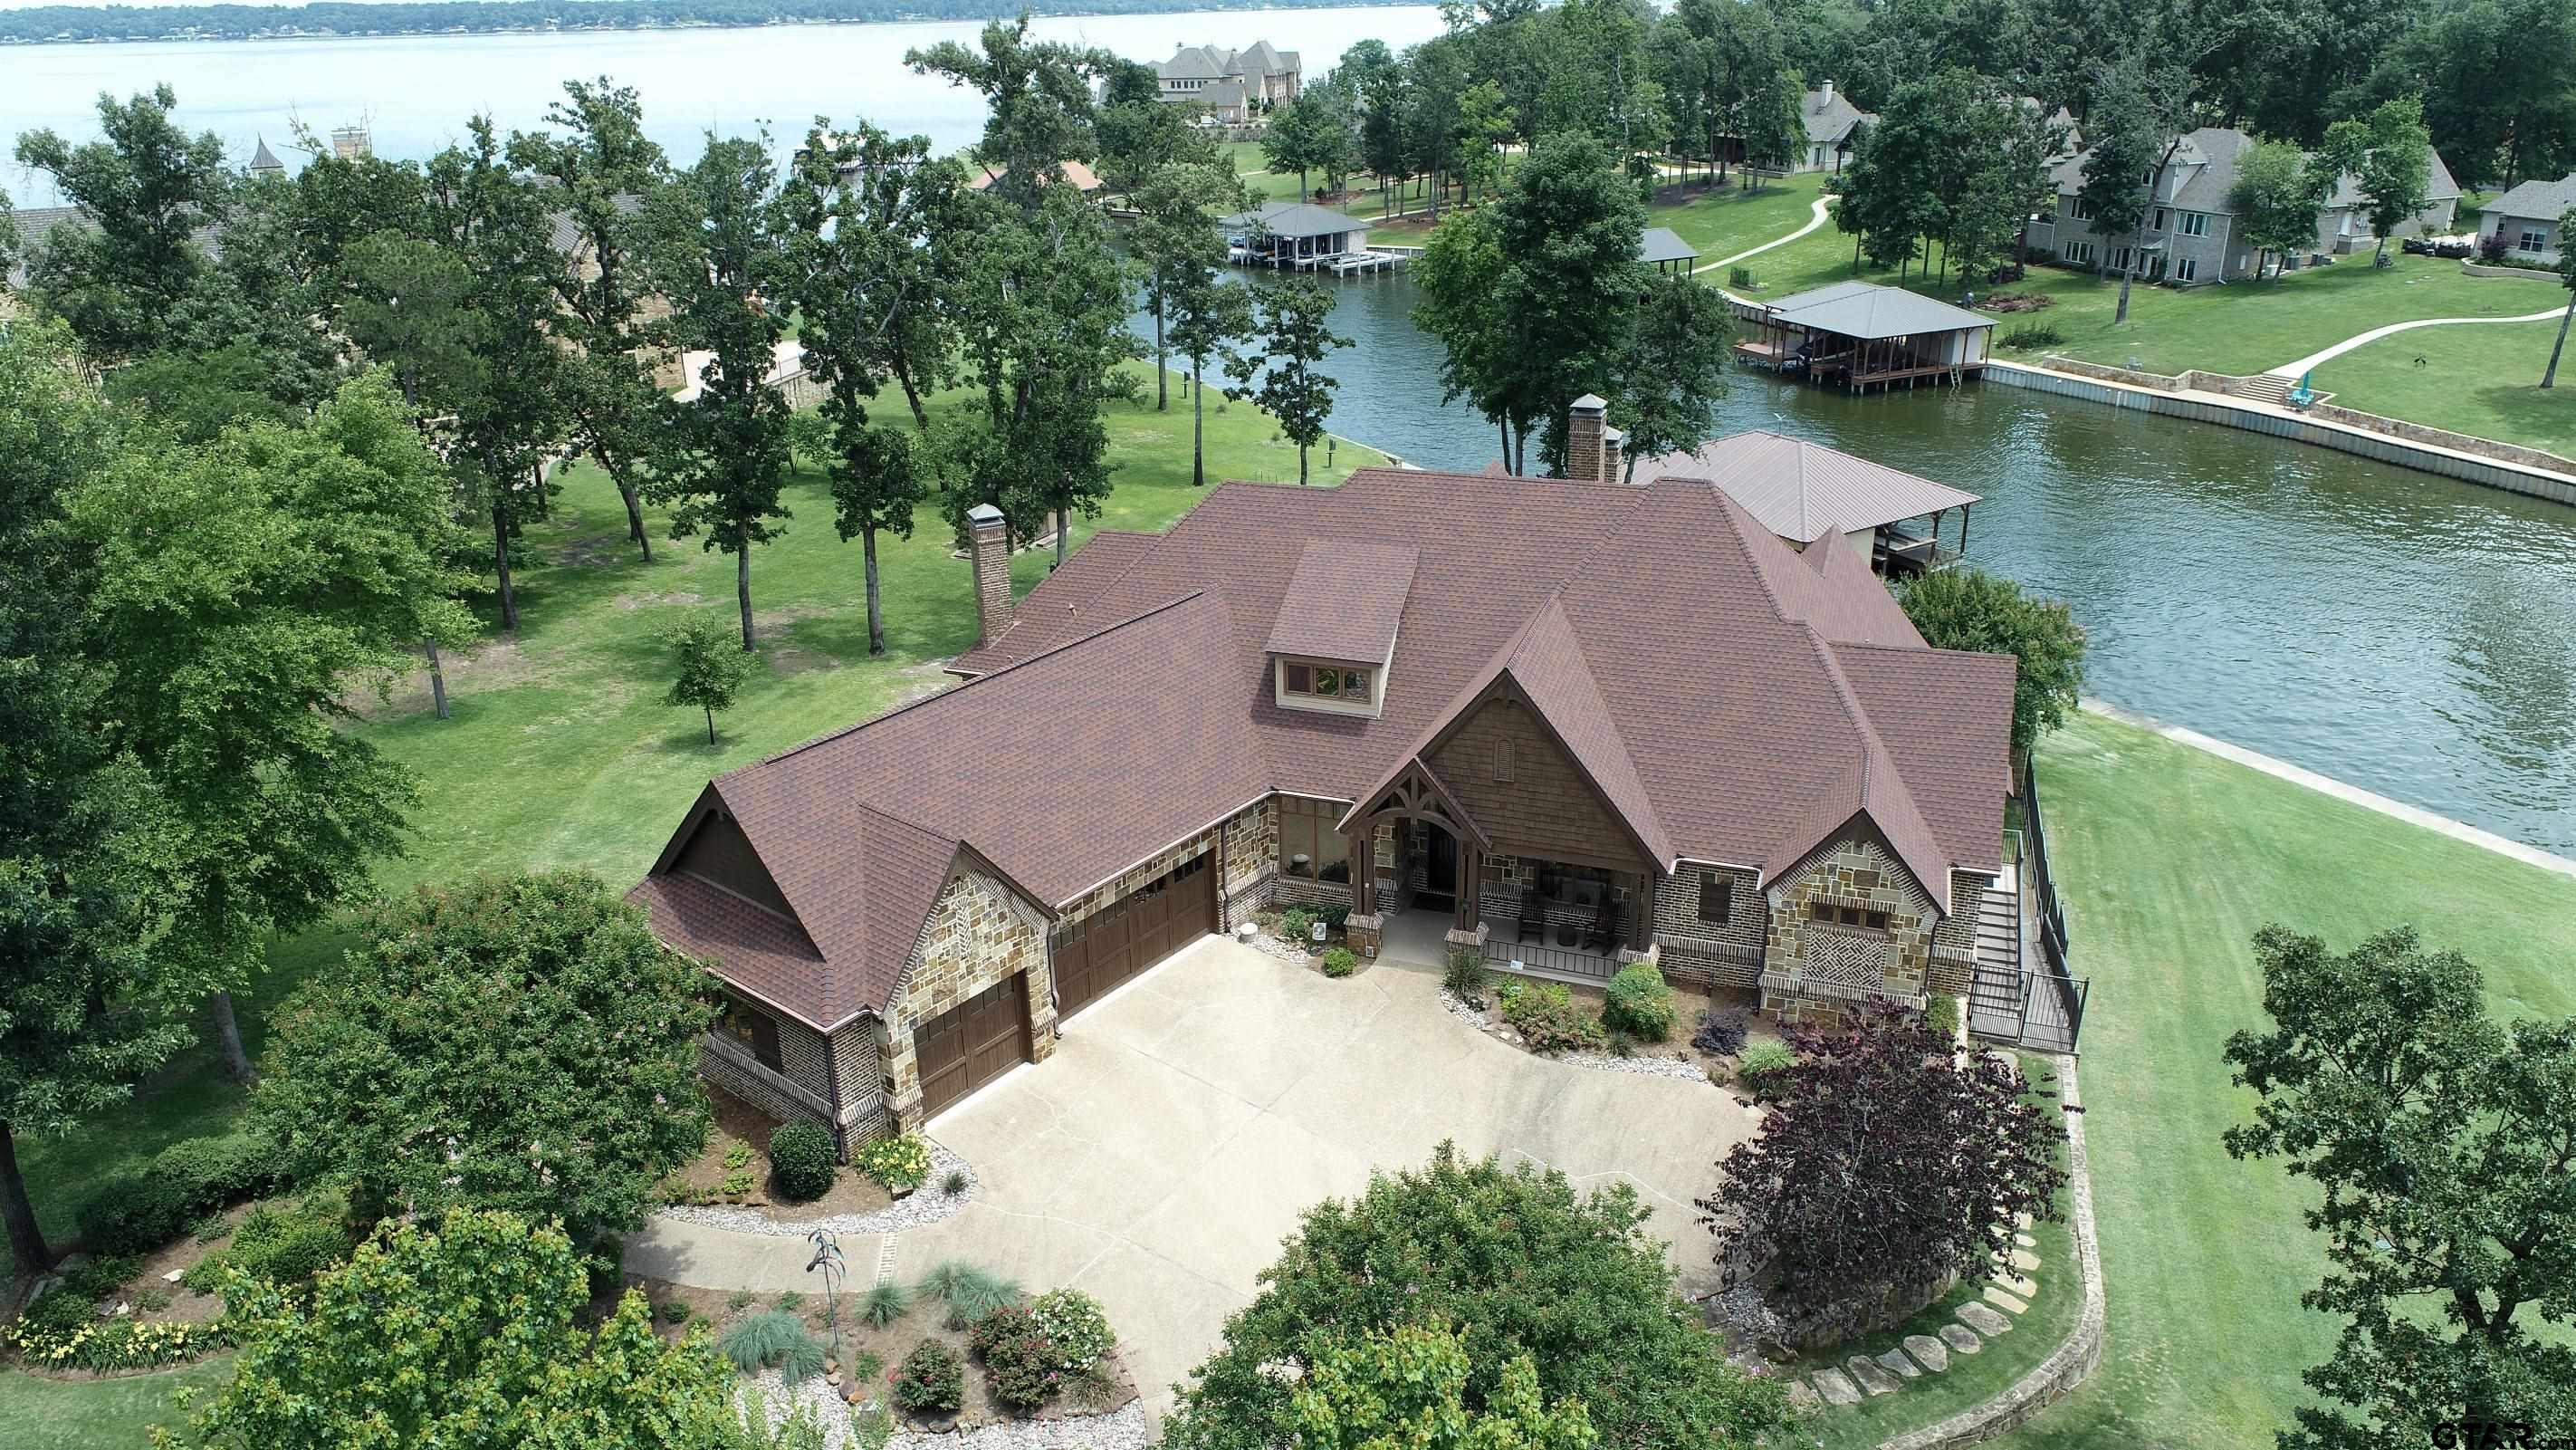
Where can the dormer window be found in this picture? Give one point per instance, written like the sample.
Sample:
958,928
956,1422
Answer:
1346,684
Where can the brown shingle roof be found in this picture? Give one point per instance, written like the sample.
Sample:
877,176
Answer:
1733,700
1343,602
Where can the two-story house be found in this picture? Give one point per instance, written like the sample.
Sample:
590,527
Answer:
2190,233
1566,723
1231,85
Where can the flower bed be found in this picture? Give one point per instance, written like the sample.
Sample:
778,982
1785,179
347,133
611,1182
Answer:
112,1346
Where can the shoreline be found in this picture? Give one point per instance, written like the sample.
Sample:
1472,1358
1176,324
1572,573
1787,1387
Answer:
2328,785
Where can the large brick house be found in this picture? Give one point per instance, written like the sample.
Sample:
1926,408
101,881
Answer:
1565,722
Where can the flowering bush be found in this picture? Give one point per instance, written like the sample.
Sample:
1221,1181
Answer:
930,1380
111,1344
1075,1326
900,1163
1019,1359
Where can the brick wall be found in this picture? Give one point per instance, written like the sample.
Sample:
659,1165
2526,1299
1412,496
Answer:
858,1052
797,1094
980,933
1727,953
1546,807
1954,940
1808,968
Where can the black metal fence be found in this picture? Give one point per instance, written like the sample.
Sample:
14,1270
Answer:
1551,961
2054,997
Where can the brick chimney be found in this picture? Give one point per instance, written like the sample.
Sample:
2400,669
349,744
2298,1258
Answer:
1614,445
989,548
1583,437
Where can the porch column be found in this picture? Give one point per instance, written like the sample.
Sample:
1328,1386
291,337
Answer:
1963,528
1363,851
1471,874
1641,915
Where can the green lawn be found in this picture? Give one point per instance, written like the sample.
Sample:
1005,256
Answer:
2490,375
1724,220
2169,859
560,752
50,1415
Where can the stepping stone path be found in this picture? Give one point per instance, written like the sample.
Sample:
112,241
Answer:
2007,1293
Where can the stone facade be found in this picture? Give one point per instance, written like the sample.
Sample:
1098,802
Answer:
1713,954
980,933
1810,969
1251,861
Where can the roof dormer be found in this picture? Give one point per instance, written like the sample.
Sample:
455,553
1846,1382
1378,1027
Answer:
1333,640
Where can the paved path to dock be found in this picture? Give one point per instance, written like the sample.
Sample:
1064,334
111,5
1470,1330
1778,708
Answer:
1815,219
2293,369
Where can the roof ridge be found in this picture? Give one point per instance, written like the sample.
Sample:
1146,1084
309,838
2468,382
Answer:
910,705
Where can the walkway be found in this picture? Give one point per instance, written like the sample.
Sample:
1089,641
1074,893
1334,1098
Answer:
2294,369
1159,1157
1816,214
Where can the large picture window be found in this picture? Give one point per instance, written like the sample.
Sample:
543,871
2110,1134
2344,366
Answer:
1309,848
754,1029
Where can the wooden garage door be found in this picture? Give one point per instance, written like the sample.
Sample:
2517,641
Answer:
972,1043
1133,933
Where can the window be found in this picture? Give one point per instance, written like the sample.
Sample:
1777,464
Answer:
1309,848
2080,209
2195,224
753,1029
2120,259
1832,915
1716,890
2080,253
2186,269
1348,684
2160,219
2533,240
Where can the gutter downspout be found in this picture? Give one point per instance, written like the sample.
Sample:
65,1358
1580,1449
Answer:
832,1082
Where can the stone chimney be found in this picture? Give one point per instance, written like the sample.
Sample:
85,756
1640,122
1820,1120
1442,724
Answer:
1614,446
1583,437
989,548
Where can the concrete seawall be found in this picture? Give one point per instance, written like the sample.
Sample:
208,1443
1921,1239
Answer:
2202,407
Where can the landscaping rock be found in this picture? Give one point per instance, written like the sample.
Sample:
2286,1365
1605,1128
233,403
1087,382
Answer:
1895,1360
1873,1379
1837,1387
2004,1301
1803,1396
172,1277
927,1206
1983,1320
2025,1260
1961,1338
2016,1285
2026,1241
2022,1221
1928,1352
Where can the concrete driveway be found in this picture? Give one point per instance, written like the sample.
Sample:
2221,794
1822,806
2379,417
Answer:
1161,1155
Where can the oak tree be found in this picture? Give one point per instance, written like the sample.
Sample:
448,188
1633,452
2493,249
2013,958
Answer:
1279,371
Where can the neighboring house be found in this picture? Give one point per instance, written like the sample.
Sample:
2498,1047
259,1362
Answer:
1073,173
1562,722
1833,125
1805,492
1231,84
264,162
2527,218
2190,233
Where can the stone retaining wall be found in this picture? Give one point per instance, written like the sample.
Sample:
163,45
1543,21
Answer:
2481,269
2074,1360
2406,445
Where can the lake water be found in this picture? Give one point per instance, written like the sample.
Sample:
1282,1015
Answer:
2407,634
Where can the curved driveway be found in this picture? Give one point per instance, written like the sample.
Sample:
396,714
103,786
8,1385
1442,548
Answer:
1161,1155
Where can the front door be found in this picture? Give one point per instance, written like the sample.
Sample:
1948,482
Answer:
1440,871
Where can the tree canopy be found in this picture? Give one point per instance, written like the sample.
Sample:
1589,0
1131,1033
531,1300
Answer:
1969,609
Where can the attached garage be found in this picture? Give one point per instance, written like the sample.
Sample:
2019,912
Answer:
1132,933
973,1043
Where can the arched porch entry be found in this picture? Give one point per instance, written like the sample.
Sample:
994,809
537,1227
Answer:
1451,847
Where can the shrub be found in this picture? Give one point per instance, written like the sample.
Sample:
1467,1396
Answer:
2032,334
737,1154
1943,1014
1336,918
1467,977
1545,1016
955,1183
1764,1066
801,1161
1720,1033
773,1338
931,1380
1639,1003
792,1300
285,1245
1077,1326
134,1214
970,1291
216,1172
899,1164
100,1276
672,1311
1618,1043
1019,1362
736,1184
884,1303
739,1298
151,1301
62,1310
138,1212
1297,925
1339,962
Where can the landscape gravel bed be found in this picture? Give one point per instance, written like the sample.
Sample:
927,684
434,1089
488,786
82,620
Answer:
1120,1429
926,1205
1646,1064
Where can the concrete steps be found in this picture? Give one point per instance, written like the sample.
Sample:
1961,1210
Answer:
2266,389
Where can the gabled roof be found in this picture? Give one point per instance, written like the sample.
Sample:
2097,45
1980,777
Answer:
1731,699
1663,244
1866,309
2540,200
1293,219
1343,602
2202,174
1830,116
1194,63
1800,490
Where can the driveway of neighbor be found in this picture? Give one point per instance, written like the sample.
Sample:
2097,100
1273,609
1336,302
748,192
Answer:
1161,1155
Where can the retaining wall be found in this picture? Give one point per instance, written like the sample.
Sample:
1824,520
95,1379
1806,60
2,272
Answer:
2481,269
2485,461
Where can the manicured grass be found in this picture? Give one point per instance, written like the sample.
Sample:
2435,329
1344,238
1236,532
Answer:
561,753
2168,860
1971,1379
1723,220
38,1414
2488,376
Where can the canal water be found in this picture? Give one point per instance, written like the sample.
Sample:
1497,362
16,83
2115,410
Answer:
2398,631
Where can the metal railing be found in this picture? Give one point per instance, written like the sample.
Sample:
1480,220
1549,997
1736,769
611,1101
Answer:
1540,959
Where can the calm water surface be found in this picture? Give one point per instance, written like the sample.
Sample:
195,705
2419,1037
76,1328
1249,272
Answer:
2413,636
2388,628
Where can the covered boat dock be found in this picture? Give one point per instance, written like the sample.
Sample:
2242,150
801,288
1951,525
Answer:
1302,236
1860,335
